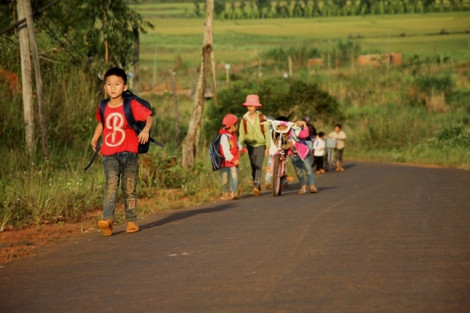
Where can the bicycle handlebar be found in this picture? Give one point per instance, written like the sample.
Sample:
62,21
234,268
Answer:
276,124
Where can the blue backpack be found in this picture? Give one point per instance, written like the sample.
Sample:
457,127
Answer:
214,153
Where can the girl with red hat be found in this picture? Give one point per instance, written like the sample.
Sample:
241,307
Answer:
231,150
255,134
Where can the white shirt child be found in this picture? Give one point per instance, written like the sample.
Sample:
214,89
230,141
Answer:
319,147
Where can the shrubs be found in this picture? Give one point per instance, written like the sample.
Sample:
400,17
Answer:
431,90
289,97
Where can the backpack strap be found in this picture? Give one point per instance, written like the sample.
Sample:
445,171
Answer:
128,111
261,120
103,104
128,96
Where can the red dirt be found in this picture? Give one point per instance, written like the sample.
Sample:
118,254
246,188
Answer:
15,244
19,243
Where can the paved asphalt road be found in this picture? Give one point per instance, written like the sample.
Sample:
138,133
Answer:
376,238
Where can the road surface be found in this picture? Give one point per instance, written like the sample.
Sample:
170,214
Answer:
376,238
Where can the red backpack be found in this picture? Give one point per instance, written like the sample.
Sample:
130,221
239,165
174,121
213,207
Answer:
261,120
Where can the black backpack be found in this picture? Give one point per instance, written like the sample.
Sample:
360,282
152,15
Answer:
137,126
214,153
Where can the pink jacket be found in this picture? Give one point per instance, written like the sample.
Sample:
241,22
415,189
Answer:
301,148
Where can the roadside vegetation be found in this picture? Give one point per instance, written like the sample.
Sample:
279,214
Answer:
417,112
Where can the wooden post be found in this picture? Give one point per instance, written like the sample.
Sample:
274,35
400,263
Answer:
191,141
135,31
26,80
290,66
38,78
175,104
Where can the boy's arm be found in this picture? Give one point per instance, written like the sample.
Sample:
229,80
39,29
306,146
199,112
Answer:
224,144
241,133
267,135
144,134
96,135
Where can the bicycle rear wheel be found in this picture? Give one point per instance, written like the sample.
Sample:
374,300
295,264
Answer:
277,175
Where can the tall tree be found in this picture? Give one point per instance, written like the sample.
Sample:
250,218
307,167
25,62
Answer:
191,141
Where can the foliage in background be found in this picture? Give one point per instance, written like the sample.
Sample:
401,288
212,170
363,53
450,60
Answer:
288,97
74,32
245,9
415,113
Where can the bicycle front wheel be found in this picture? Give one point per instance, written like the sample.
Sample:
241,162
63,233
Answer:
277,174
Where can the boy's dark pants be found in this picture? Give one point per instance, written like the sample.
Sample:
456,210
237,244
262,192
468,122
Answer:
122,167
319,162
256,161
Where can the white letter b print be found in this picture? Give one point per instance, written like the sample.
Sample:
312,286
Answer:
115,122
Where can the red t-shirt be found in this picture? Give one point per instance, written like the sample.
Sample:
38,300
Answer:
117,135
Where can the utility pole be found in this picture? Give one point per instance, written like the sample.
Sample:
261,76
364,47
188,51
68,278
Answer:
38,78
172,75
26,79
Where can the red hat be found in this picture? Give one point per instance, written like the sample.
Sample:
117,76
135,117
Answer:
229,120
252,101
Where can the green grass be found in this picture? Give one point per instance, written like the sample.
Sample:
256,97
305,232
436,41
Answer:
389,113
238,41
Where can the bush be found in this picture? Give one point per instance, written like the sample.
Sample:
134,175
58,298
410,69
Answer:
289,97
429,86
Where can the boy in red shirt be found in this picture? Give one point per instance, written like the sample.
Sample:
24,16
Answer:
119,150
231,150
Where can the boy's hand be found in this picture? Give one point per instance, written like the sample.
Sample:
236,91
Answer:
236,162
143,136
93,144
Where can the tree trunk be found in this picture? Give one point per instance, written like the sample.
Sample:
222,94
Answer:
135,31
214,87
191,141
105,22
26,80
175,104
38,78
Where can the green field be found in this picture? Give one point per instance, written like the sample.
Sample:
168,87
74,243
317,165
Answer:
242,40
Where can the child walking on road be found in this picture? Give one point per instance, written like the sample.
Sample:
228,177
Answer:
340,137
119,149
231,150
301,158
256,137
319,152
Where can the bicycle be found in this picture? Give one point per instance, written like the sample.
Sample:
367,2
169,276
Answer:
279,143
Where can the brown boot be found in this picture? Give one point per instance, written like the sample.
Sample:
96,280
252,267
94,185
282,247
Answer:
106,227
256,192
132,227
313,189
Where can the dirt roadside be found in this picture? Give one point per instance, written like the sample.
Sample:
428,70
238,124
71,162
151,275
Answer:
19,243
16,244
